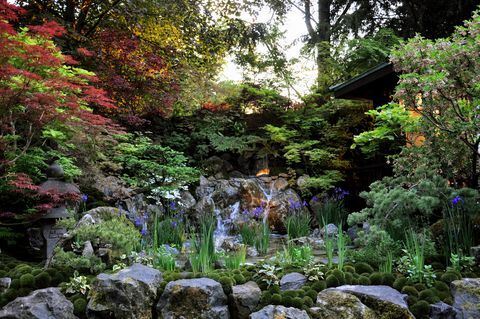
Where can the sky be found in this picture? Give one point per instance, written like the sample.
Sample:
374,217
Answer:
305,71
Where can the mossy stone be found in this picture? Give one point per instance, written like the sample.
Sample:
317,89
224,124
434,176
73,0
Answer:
27,281
276,299
364,280
332,281
290,293
274,289
449,276
340,276
349,268
239,279
361,268
297,302
79,307
388,279
399,283
312,294
287,301
265,298
42,280
376,278
307,301
421,309
410,290
348,278
319,285
420,287
427,293
227,284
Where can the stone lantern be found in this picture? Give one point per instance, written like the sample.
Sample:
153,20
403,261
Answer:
50,232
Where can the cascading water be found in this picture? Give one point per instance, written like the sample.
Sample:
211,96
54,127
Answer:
268,195
221,232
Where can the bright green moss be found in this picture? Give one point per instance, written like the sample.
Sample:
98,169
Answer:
27,281
319,285
361,268
332,281
410,290
376,278
79,307
276,299
363,280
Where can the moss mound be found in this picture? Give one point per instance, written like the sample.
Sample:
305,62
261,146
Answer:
421,309
399,283
376,278
332,281
27,281
410,290
79,307
361,268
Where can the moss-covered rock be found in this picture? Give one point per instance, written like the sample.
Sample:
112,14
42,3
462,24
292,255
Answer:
349,268
421,309
410,290
42,280
376,278
388,279
79,307
363,280
319,285
361,268
27,281
420,286
276,299
450,276
399,283
332,281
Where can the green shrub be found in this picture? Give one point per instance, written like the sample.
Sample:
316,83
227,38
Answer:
450,276
312,294
290,293
425,294
364,280
388,279
349,268
421,309
276,299
266,298
441,286
410,290
36,271
340,276
332,281
287,301
27,281
15,284
399,283
448,300
420,287
79,307
348,278
319,285
274,289
227,284
297,302
376,278
239,279
362,267
411,300
42,280
307,301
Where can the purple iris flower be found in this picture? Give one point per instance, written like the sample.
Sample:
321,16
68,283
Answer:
174,223
456,200
84,197
138,221
144,230
173,205
304,203
314,199
257,211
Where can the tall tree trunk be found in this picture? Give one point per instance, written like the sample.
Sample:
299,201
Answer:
323,43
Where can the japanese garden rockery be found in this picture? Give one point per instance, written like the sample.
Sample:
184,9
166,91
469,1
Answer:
140,292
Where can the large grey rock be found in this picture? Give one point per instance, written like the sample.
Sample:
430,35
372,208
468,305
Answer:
292,281
466,297
332,230
475,252
48,303
244,299
112,187
336,304
130,293
279,312
201,298
5,284
382,300
441,310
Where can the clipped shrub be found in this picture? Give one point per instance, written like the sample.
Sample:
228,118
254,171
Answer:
42,280
312,294
287,301
420,287
319,285
363,280
297,302
307,301
421,309
348,278
265,298
376,278
274,289
441,286
399,283
361,268
388,279
425,294
36,272
332,281
450,276
27,281
79,307
411,300
349,268
227,284
239,279
276,299
290,293
340,276
15,284
410,290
